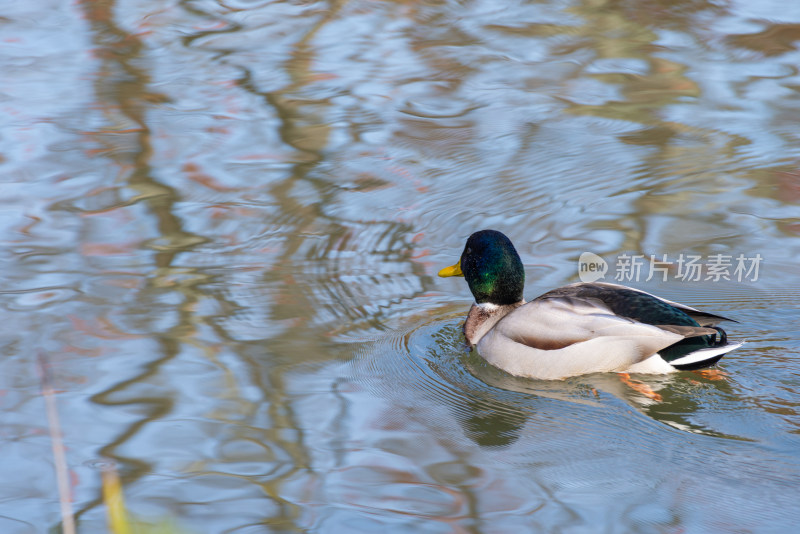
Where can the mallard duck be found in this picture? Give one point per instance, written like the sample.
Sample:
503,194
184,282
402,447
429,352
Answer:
580,328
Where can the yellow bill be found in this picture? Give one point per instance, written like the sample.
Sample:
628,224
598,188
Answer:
453,270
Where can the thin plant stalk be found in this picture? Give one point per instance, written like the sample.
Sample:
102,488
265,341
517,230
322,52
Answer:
115,502
59,454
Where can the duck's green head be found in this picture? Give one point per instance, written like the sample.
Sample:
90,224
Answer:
492,268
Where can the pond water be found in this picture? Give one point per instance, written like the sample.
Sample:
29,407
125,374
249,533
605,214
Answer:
222,223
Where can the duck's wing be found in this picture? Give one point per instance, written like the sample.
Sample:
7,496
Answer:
567,335
703,318
637,304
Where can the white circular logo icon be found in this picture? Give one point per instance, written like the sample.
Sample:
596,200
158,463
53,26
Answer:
591,267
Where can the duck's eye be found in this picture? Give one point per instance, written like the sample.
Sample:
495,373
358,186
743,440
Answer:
469,250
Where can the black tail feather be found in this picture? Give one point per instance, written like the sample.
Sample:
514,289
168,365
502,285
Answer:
723,337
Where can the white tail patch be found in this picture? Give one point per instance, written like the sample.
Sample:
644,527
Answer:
705,354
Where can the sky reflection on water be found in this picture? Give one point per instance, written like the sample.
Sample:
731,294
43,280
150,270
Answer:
223,220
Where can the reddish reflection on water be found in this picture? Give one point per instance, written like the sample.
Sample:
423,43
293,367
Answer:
222,223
